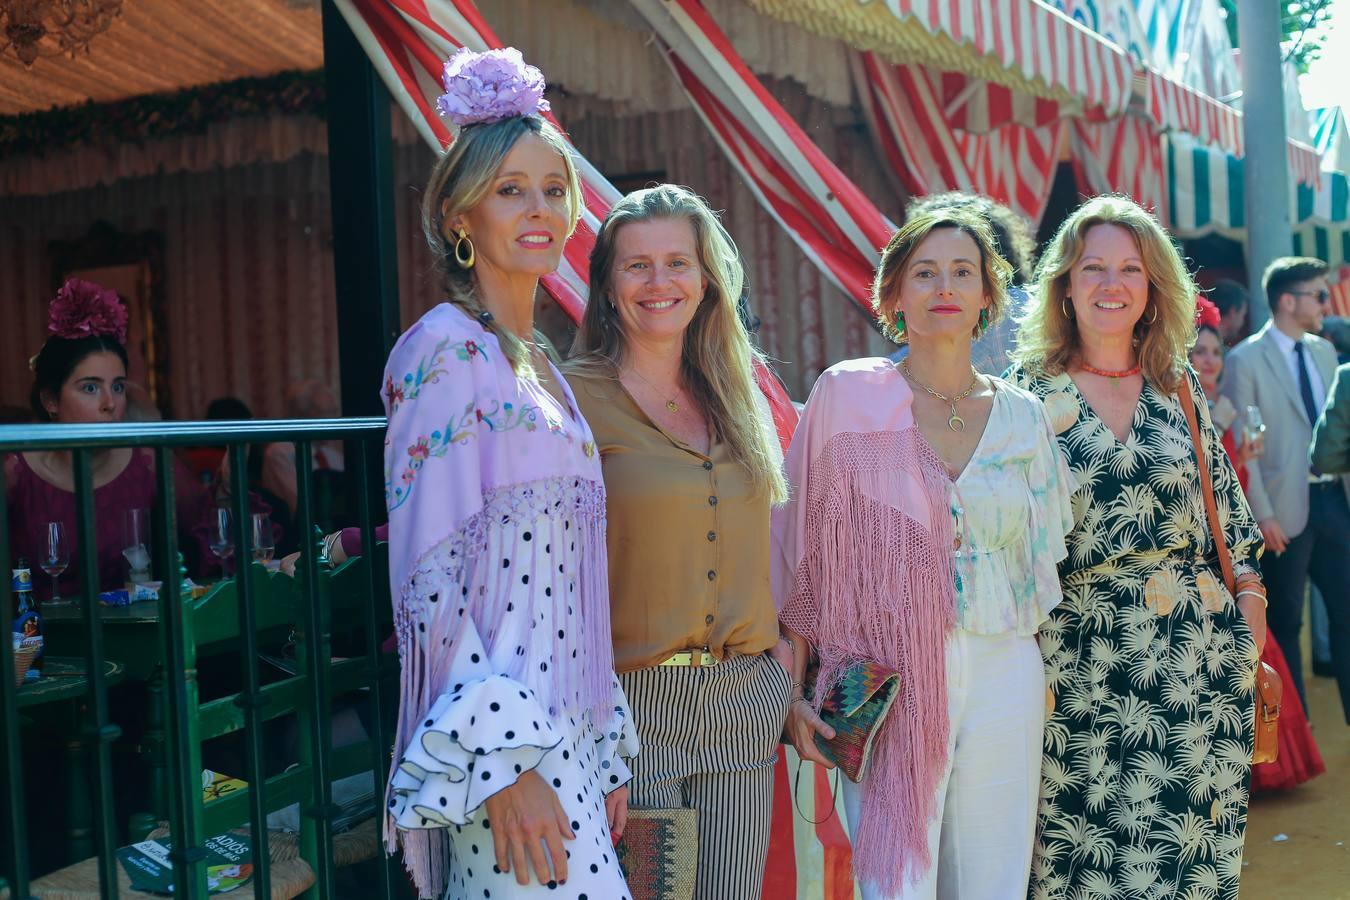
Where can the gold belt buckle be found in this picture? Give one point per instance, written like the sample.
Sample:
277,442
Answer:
693,659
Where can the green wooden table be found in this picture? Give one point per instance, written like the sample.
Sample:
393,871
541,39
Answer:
54,703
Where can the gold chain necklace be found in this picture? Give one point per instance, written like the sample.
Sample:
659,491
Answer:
670,403
955,422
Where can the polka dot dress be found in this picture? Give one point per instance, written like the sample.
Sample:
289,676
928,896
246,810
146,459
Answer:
497,714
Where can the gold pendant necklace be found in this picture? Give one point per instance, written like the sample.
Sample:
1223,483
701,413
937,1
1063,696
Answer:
670,403
954,422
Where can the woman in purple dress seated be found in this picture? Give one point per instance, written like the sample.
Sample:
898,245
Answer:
80,376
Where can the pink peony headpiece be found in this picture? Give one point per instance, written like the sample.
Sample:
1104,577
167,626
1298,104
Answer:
84,309
490,86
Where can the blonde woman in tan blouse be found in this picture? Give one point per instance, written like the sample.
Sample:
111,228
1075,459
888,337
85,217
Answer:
662,371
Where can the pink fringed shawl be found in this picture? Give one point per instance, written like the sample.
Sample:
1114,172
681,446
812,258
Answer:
469,446
863,568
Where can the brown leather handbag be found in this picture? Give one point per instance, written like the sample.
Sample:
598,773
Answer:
1269,688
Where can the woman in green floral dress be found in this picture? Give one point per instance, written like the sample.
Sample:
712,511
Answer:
1150,662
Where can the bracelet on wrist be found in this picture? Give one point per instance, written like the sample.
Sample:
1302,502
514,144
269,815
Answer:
1265,603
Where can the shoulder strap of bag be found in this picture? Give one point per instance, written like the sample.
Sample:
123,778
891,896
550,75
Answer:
1207,488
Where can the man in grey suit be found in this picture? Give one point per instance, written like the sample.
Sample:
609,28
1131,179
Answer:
1304,515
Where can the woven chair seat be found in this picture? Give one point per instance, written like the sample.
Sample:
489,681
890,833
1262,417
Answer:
290,875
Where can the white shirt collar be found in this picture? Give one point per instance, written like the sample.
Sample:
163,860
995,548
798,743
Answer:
1283,341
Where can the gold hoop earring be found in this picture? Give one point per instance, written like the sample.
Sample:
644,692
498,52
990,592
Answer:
1066,308
461,259
1155,316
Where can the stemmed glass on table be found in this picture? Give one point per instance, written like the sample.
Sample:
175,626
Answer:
55,557
221,540
136,544
263,543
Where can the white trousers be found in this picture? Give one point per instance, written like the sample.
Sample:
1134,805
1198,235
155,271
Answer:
984,824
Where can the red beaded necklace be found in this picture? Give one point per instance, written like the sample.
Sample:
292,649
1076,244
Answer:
1126,373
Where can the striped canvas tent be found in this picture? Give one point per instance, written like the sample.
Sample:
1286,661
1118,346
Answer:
832,221
1205,195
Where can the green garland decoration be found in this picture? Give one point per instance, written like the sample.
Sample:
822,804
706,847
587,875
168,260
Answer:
151,116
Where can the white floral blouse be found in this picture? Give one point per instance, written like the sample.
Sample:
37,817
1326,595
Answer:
1012,509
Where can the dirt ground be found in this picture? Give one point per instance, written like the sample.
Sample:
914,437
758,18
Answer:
1312,861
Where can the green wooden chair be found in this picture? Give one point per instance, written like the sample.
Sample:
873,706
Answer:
295,862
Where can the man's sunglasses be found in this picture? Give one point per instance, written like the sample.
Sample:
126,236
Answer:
1322,296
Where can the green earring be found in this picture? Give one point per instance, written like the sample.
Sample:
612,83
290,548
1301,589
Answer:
899,323
984,319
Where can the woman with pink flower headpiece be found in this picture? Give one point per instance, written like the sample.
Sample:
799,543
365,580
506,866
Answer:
509,777
80,376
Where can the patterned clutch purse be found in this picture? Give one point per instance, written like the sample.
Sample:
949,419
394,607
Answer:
855,707
659,853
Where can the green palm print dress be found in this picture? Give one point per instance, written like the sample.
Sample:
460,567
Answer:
1150,666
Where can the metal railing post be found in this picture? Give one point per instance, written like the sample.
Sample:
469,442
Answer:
250,699
100,733
14,853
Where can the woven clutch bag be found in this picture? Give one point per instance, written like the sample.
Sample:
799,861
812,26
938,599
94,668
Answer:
659,853
855,707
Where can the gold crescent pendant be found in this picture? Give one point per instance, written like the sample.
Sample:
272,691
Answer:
956,423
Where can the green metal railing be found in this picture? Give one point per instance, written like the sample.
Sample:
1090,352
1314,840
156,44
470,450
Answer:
258,596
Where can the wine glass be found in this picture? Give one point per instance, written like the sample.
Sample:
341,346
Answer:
136,543
56,557
1254,430
221,540
263,544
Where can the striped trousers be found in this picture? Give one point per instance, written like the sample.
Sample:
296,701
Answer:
709,740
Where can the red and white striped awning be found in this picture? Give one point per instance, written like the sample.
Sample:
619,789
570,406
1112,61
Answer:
1036,39
1027,45
905,110
831,220
1174,106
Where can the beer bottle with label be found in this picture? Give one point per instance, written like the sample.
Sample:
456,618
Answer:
27,618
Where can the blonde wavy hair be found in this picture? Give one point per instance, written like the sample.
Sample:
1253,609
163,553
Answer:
995,271
1048,340
463,175
718,358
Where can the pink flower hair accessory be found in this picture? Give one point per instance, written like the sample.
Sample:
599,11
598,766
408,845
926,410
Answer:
84,309
489,87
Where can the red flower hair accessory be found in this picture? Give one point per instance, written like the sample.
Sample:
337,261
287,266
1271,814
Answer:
1206,313
84,309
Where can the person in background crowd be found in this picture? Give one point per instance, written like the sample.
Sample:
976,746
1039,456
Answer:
205,462
80,376
929,507
662,368
1337,330
1234,304
307,399
1299,759
1015,241
1150,662
1331,437
1304,515
509,777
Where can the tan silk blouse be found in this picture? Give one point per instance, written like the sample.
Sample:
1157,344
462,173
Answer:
688,538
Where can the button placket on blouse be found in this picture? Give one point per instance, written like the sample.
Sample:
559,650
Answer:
715,547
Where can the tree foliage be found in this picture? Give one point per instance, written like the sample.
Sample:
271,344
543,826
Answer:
1300,23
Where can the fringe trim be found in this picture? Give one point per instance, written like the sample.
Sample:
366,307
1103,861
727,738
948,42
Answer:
877,583
569,509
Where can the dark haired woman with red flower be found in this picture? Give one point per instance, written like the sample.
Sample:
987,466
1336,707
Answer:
1299,758
80,376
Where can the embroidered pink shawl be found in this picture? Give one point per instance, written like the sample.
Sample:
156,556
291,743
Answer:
467,442
863,568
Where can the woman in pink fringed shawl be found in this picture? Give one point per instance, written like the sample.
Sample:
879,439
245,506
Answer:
929,509
509,768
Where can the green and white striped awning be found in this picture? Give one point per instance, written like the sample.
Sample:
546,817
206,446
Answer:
1205,196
